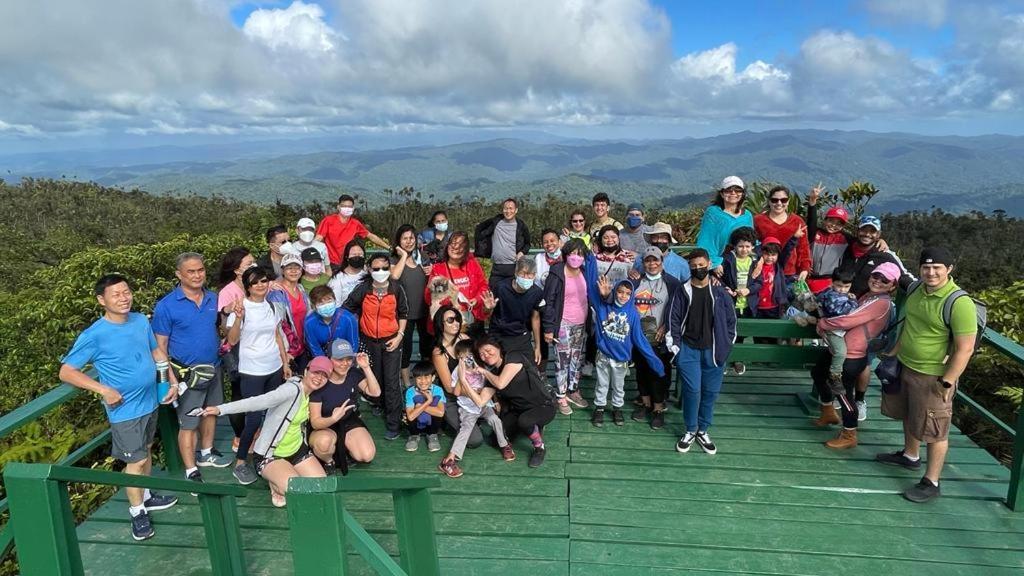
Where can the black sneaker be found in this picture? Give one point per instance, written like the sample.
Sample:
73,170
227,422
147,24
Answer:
705,442
897,458
639,414
597,418
685,442
537,458
195,476
657,419
923,491
142,528
159,502
618,418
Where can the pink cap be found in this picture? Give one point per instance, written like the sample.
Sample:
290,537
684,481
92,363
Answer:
889,270
839,213
320,364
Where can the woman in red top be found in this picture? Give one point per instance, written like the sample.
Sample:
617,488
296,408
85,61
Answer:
779,223
466,282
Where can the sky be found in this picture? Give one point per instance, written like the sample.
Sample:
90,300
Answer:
124,73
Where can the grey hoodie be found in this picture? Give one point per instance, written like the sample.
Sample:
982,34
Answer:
281,404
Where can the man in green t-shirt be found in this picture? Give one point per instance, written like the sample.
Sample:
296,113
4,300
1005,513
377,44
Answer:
933,355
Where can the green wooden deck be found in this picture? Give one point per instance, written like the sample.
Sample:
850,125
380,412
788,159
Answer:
622,501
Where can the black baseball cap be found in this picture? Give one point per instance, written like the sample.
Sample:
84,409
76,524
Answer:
936,255
311,255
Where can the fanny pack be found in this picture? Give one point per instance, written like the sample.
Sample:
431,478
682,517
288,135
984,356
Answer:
194,377
888,373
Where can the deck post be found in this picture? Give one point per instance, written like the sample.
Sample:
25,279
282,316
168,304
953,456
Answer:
414,522
223,535
167,422
1015,493
316,523
44,527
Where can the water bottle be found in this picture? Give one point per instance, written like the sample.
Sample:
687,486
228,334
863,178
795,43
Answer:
163,385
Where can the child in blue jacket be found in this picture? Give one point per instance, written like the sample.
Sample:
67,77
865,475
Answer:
617,330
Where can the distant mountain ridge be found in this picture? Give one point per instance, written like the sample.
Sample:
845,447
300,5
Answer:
912,171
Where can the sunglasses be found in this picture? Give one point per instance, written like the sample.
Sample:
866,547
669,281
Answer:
263,281
451,319
581,221
733,191
384,269
879,278
779,200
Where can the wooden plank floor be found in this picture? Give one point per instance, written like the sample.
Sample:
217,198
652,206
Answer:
622,501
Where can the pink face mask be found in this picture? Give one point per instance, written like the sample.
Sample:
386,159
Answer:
314,268
574,260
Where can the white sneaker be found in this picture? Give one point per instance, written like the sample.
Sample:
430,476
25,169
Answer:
862,411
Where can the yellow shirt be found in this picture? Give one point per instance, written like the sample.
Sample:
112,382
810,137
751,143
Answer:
292,439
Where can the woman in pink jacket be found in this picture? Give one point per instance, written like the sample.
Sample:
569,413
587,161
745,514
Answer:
865,322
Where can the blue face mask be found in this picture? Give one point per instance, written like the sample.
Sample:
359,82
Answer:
441,226
524,283
653,277
634,221
327,309
555,255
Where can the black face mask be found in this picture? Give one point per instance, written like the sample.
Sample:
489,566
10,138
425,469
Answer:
663,246
609,248
357,262
699,273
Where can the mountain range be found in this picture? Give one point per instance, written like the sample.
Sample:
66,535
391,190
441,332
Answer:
913,172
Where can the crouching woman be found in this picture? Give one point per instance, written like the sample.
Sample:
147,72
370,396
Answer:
281,451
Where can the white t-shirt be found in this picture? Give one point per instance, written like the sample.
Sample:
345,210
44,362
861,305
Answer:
258,353
343,284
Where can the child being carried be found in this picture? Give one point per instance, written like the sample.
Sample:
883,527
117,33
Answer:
837,300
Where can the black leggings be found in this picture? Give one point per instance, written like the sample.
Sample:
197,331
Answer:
386,367
524,422
852,369
426,343
647,381
254,386
432,428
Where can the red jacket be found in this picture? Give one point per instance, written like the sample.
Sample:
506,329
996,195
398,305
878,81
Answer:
801,260
468,278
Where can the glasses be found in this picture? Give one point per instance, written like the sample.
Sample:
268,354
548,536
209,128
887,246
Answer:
879,278
384,269
733,191
451,319
263,281
779,200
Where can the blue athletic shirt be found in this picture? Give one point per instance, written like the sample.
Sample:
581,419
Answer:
123,356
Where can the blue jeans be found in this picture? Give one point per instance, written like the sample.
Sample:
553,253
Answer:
702,381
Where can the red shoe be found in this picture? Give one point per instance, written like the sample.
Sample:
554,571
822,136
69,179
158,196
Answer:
450,468
507,453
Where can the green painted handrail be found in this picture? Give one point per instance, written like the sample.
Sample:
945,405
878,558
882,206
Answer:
35,408
320,527
44,527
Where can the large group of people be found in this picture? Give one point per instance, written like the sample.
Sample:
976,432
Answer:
318,334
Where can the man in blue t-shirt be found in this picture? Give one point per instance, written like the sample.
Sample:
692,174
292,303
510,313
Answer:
122,349
185,325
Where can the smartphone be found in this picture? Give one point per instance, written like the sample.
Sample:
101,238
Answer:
195,412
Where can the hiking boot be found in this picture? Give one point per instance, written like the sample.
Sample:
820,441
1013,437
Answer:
828,416
433,443
450,468
862,410
537,458
657,419
597,418
923,491
196,477
142,528
507,453
563,407
413,443
685,442
639,414
847,439
214,459
244,474
618,418
157,502
898,458
577,400
739,367
706,443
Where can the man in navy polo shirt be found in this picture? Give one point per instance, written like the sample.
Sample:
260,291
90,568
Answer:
185,324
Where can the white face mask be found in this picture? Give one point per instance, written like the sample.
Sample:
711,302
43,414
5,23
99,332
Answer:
380,276
346,211
306,236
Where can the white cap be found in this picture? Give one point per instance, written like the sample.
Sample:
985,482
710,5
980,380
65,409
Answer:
731,181
306,223
290,258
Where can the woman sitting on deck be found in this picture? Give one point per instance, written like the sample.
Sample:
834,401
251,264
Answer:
281,452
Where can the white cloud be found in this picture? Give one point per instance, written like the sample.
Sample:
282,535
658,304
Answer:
300,26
